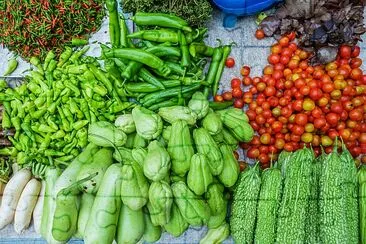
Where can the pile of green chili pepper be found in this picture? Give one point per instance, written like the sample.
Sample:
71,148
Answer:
165,65
50,111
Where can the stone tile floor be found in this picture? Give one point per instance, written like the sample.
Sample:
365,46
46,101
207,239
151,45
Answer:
249,51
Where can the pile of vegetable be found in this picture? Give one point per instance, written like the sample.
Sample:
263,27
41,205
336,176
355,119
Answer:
321,26
294,103
147,173
51,109
301,199
197,13
32,28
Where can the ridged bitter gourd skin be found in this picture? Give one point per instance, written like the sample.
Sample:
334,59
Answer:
350,188
268,203
295,198
313,219
362,197
243,211
333,224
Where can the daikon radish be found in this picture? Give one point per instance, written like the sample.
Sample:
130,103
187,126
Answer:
38,209
12,192
26,204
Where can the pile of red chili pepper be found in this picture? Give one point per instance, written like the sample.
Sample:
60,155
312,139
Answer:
33,27
295,104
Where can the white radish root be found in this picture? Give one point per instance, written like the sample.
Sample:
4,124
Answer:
38,209
12,192
26,204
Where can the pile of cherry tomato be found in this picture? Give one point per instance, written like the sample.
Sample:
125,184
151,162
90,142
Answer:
294,104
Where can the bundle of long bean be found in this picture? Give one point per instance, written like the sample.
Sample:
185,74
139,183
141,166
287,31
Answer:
166,66
32,27
50,111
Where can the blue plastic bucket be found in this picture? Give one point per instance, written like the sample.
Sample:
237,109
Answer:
236,8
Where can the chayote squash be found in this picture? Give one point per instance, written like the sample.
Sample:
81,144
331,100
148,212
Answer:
207,146
212,123
238,123
134,187
229,139
216,235
157,162
174,113
218,205
139,142
122,154
105,134
199,176
139,155
180,147
152,233
230,173
160,202
177,224
192,207
199,104
148,124
166,133
125,123
130,140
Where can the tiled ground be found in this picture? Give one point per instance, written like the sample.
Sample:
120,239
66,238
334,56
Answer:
248,51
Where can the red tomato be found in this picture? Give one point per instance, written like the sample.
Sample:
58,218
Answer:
247,81
297,105
263,158
245,70
298,130
319,123
284,41
356,74
230,62
315,94
337,108
259,34
238,103
253,153
355,52
356,63
277,126
218,98
251,114
235,83
284,60
237,92
356,114
301,119
270,91
227,96
345,51
273,58
288,147
332,118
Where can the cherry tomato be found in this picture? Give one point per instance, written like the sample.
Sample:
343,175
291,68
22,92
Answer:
237,93
227,96
301,119
247,81
263,158
309,127
332,118
230,62
328,87
297,105
298,130
245,70
315,94
218,98
355,52
235,83
319,123
253,153
288,147
270,91
238,103
345,51
356,114
356,63
308,105
274,59
284,41
259,34
284,60
277,126
356,74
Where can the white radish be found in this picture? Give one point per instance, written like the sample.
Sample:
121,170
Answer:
26,204
12,192
15,168
37,212
2,187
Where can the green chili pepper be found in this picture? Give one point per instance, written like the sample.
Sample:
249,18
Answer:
45,144
70,146
93,117
15,143
67,157
67,113
168,103
150,78
85,108
225,54
156,35
58,135
141,87
151,98
64,121
200,48
46,129
28,131
80,124
215,63
37,63
76,55
64,56
6,122
163,20
12,65
52,108
77,69
76,42
82,136
124,41
8,151
141,56
186,59
39,113
17,125
114,28
51,123
101,77
54,153
34,88
175,68
101,90
50,55
40,100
